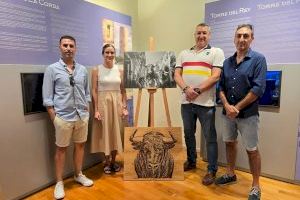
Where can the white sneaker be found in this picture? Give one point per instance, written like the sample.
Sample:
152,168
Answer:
59,192
83,180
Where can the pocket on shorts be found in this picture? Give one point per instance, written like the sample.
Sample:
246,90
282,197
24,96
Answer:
58,122
86,120
55,117
55,121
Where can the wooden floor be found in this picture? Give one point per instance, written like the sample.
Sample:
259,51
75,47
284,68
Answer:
112,187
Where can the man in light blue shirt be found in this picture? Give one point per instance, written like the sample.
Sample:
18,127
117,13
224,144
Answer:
66,96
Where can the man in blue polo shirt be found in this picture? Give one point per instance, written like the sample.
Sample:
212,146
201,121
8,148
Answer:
242,83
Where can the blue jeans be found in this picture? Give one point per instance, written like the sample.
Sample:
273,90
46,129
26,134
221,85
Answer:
206,115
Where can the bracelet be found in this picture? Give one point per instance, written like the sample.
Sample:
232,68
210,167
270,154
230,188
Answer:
185,88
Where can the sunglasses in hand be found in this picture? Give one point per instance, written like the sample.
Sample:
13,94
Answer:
72,81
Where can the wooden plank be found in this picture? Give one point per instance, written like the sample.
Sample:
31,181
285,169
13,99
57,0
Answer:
113,187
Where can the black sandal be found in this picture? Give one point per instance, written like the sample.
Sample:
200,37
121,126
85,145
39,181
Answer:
115,167
107,169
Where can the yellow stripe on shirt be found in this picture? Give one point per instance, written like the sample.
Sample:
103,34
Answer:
197,72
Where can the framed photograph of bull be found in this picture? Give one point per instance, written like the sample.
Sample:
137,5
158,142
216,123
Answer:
149,69
153,153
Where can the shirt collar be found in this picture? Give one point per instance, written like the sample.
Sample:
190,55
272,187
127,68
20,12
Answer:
206,47
248,55
64,64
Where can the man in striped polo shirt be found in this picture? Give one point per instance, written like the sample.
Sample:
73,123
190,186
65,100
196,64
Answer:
197,71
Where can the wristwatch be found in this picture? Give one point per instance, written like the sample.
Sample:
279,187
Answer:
185,88
197,90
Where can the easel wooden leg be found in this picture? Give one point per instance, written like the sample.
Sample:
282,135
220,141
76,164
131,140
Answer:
166,107
138,105
151,107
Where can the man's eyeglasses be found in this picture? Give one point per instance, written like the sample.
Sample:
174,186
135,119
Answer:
72,81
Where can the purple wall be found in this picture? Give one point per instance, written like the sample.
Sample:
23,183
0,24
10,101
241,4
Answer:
30,30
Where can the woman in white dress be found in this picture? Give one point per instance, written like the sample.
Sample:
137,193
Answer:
110,108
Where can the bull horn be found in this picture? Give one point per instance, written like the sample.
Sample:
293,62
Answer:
133,138
134,142
173,139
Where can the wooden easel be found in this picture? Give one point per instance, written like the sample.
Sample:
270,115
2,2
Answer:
151,92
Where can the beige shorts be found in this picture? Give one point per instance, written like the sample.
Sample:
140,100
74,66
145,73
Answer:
64,131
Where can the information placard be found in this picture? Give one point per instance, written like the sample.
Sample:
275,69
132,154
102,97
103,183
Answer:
30,30
276,27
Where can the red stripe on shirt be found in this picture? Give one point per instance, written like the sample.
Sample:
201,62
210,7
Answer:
200,64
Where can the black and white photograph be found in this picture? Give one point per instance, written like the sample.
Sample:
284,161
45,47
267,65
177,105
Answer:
149,69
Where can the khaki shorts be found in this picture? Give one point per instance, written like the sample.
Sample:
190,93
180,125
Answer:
65,130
